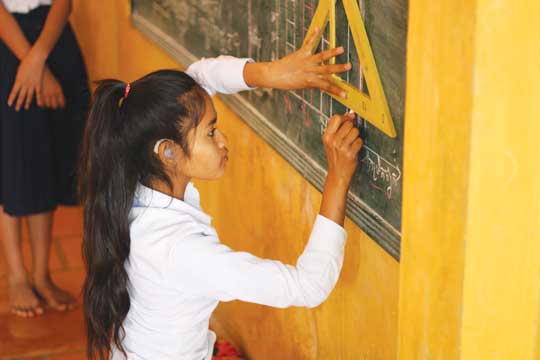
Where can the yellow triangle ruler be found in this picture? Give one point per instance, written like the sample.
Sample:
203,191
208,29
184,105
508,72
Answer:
373,107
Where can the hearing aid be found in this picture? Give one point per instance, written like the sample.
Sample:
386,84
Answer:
168,152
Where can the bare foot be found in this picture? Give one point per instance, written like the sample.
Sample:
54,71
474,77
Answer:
23,302
53,296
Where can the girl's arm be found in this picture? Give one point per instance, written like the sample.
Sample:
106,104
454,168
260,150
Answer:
12,35
299,70
54,25
200,265
30,72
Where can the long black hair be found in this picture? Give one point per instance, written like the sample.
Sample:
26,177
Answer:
117,154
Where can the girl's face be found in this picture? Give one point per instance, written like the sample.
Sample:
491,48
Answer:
209,153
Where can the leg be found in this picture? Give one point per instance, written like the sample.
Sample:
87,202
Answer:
22,299
40,231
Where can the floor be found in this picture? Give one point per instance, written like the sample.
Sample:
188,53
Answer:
53,336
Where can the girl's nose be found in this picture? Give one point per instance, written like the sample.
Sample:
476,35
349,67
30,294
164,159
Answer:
222,139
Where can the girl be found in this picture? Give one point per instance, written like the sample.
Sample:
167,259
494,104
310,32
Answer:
44,97
156,267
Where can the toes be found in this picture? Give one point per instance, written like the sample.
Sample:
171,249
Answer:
16,311
27,311
58,306
54,297
22,311
39,310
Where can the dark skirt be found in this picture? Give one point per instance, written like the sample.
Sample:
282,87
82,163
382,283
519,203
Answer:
39,148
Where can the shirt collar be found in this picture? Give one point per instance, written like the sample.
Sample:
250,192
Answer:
149,198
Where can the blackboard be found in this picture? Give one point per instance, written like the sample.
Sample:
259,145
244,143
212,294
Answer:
292,122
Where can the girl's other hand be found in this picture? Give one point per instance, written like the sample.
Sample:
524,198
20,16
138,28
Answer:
52,95
28,80
299,70
342,143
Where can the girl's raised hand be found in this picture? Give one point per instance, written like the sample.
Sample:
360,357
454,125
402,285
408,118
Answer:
27,81
342,143
299,70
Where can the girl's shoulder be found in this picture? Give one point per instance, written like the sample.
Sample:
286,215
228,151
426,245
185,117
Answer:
166,222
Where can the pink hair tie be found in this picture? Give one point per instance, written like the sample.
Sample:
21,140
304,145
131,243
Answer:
128,87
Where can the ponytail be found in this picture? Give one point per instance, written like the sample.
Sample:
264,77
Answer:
107,200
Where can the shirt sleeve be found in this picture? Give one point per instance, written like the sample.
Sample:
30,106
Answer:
224,74
203,266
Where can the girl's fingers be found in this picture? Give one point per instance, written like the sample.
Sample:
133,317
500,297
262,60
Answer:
61,100
14,93
333,69
21,98
29,97
328,54
357,145
326,85
45,100
50,101
344,130
54,104
51,104
351,136
39,100
333,124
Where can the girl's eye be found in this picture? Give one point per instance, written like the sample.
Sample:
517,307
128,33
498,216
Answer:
212,132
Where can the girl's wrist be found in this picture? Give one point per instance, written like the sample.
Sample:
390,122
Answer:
337,181
38,52
257,74
333,203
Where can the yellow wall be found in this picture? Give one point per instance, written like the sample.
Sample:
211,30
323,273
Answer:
501,294
437,129
263,206
470,269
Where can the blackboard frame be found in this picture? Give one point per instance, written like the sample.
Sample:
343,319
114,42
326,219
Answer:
369,221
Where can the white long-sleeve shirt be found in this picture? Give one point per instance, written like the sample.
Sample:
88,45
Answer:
24,6
224,74
179,270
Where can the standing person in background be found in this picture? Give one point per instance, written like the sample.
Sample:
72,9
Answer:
44,98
